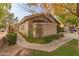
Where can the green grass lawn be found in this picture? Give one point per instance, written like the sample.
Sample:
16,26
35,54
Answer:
69,49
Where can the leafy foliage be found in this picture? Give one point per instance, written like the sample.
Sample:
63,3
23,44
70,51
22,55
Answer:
11,38
4,7
4,11
72,19
64,11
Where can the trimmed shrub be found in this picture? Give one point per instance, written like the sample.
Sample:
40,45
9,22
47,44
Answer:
12,38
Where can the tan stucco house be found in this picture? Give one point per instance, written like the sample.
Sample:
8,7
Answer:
40,25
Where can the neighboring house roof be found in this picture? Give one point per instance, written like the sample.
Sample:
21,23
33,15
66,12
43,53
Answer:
48,16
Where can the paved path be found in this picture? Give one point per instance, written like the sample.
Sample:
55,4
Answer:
2,35
10,50
45,47
71,35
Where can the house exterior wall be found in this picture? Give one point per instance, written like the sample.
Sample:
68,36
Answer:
39,29
23,28
30,24
44,29
49,29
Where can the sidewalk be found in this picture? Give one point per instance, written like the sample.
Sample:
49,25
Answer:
2,35
43,47
2,40
13,50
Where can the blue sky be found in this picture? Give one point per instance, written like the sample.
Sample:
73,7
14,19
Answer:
18,11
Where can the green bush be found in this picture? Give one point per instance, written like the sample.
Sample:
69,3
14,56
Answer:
11,38
30,35
2,26
55,36
44,40
50,38
41,40
59,29
61,35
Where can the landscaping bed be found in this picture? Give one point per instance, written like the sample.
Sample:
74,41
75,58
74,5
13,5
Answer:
42,40
68,49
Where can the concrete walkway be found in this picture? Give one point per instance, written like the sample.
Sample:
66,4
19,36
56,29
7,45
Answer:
2,35
10,50
71,35
46,47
